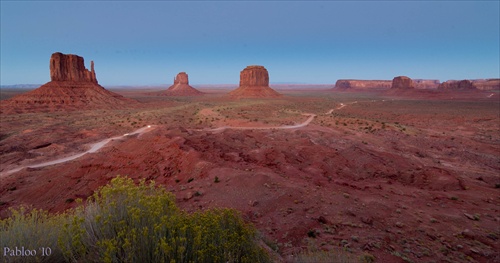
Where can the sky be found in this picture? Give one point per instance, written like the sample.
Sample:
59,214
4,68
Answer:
315,42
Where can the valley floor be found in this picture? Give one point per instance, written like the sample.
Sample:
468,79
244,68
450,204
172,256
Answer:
398,178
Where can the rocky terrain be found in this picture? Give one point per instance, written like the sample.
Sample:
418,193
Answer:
181,87
394,178
254,83
72,87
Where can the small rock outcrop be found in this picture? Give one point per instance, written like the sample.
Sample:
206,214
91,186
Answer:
72,87
354,84
254,83
181,87
402,82
463,85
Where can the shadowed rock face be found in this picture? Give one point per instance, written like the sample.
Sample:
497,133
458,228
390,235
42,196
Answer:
254,83
402,82
457,85
70,68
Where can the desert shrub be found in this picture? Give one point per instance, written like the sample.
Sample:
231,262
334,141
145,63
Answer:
31,230
124,222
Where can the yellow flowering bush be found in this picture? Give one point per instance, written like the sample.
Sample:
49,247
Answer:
125,222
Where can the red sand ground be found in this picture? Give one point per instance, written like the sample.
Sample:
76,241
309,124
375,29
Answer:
400,178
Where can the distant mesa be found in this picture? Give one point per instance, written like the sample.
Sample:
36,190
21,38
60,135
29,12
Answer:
181,87
254,83
72,87
402,82
426,83
487,84
458,85
356,84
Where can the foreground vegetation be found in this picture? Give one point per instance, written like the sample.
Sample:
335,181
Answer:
124,222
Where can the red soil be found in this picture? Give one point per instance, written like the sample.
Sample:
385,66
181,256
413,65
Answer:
394,178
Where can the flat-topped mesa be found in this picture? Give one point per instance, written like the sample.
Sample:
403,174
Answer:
254,83
70,68
457,85
254,76
426,83
487,84
358,84
181,78
402,82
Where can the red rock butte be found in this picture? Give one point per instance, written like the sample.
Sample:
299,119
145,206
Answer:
254,83
70,68
402,82
72,87
181,87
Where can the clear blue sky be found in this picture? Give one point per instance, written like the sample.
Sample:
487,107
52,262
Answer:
149,42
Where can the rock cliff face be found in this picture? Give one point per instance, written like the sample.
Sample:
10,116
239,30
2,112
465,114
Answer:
181,78
254,76
72,87
353,84
254,83
70,68
181,87
487,84
402,82
457,85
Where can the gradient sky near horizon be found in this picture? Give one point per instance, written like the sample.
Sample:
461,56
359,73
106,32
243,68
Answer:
317,42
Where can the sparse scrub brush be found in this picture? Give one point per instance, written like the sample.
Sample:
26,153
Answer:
124,222
31,233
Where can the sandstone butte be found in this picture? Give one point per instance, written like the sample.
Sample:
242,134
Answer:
254,83
458,85
402,82
72,87
181,87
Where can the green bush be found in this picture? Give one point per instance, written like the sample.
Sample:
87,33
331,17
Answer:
124,222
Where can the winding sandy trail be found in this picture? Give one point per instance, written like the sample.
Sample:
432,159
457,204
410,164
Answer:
342,105
93,148
97,146
283,127
305,123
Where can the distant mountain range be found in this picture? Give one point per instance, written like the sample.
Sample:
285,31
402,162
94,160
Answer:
21,86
